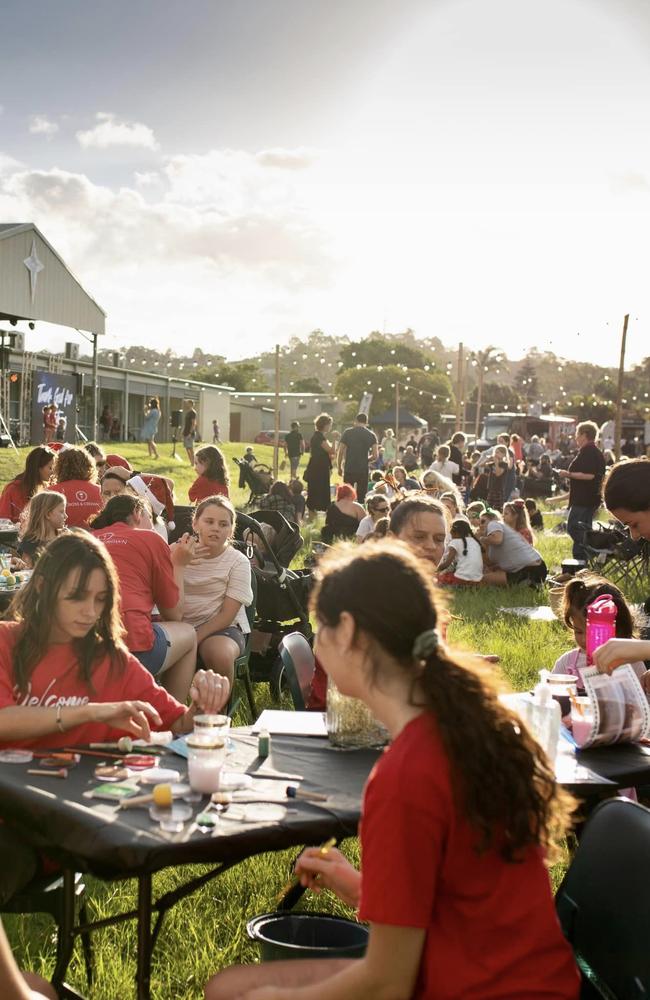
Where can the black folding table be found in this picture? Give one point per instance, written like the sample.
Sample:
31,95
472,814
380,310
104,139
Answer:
83,834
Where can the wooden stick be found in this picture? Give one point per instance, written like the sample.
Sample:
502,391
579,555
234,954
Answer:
618,423
61,773
94,753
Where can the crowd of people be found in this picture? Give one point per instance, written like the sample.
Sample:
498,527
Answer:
118,632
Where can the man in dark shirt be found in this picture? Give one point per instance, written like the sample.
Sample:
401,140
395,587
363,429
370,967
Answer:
294,446
356,443
189,430
456,451
585,475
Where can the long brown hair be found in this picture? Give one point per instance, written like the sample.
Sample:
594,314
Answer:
31,476
584,588
504,785
35,514
215,464
35,605
117,509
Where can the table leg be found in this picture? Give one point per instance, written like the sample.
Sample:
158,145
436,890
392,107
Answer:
65,943
143,976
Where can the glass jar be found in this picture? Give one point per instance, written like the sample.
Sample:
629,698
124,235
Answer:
350,722
214,724
205,757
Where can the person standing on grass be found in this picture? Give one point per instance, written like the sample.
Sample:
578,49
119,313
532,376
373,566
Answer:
461,814
189,430
319,466
358,446
294,447
150,426
585,475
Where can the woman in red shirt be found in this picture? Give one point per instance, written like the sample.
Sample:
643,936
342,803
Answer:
150,575
17,494
67,679
212,475
459,813
76,478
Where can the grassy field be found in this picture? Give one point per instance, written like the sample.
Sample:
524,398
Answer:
207,931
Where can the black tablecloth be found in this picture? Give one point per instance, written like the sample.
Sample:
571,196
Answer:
54,815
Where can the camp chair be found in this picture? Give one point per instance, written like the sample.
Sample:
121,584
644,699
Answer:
603,904
612,553
242,671
298,665
45,895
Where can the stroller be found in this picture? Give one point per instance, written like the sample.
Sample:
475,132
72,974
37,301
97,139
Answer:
282,535
613,553
282,594
257,478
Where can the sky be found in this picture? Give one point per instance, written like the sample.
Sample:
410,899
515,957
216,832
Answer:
229,175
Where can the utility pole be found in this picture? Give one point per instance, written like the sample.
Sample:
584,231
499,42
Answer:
276,439
618,432
459,385
94,435
396,416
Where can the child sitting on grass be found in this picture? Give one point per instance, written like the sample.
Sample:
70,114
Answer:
515,514
534,515
579,593
462,562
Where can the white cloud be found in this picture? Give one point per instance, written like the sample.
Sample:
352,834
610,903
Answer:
109,131
40,125
160,261
286,159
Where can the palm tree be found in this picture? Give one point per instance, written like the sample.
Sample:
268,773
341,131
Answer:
485,361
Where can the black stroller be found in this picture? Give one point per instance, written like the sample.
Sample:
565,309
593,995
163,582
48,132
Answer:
282,594
284,536
257,478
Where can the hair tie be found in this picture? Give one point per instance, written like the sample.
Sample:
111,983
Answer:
425,644
518,503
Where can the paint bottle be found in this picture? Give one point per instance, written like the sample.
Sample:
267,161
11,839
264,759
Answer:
264,743
544,717
601,623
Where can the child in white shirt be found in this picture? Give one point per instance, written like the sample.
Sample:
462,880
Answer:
463,557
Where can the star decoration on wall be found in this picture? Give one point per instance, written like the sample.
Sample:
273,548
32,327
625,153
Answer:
34,266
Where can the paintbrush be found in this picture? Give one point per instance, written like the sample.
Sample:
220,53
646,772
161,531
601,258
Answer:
293,890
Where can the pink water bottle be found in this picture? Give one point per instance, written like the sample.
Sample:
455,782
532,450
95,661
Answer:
601,623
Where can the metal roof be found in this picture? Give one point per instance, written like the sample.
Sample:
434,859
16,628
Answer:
37,284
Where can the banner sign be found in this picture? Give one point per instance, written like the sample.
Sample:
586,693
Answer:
366,401
54,389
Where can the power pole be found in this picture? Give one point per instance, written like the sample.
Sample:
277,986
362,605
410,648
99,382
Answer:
276,439
396,415
459,385
618,432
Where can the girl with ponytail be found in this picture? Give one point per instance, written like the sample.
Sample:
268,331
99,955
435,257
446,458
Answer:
460,814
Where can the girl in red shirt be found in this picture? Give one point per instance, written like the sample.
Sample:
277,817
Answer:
459,813
76,478
150,574
67,679
212,475
17,494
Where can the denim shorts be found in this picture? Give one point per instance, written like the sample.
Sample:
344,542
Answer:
232,632
154,658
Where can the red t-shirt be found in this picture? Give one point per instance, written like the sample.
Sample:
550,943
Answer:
491,928
13,501
203,487
144,566
55,681
84,500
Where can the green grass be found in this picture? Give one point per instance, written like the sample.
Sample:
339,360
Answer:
207,931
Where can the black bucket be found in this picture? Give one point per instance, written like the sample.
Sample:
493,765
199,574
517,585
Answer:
307,935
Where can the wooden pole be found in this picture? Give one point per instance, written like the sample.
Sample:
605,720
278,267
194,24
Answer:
396,416
479,399
618,432
464,399
276,438
459,385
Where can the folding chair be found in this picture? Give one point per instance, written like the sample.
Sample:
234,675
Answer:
183,514
612,553
298,668
45,895
603,903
